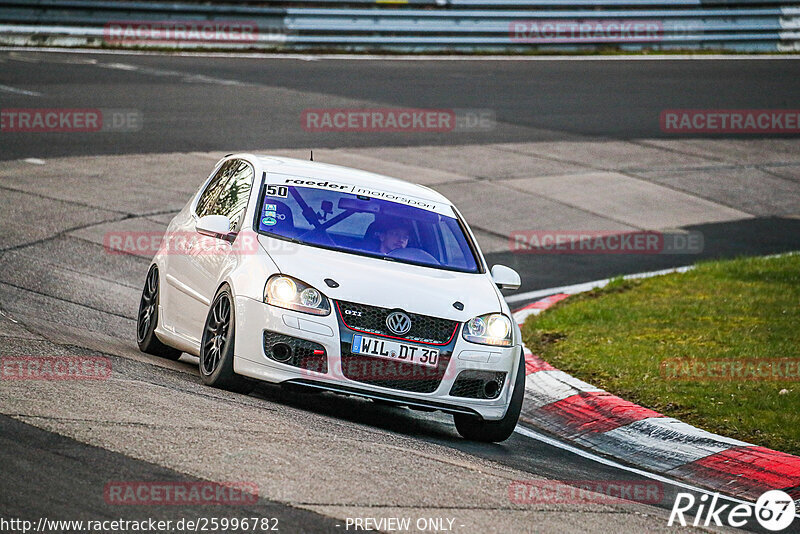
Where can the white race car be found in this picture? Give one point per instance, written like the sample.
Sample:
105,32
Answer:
297,272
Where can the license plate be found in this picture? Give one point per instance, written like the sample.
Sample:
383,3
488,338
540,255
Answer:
394,350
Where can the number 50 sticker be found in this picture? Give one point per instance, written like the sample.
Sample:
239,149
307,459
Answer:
277,191
775,510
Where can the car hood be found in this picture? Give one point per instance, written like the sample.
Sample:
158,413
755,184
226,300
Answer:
386,284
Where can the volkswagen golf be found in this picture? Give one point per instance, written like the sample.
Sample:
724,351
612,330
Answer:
303,273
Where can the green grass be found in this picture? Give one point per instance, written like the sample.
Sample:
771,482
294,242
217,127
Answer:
744,309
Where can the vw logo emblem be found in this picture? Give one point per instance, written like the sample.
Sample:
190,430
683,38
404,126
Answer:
398,323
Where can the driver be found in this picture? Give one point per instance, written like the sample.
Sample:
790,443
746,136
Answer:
393,235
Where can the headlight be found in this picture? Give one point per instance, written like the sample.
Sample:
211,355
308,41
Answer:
286,292
489,329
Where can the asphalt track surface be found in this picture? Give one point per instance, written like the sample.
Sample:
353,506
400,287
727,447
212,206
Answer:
204,104
316,459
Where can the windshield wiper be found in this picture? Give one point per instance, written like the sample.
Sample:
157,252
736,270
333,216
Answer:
283,238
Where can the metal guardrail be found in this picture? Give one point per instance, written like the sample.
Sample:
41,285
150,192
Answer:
744,25
226,5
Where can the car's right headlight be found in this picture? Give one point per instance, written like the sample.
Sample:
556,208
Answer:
287,292
490,329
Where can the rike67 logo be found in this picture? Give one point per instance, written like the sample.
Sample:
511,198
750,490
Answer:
774,511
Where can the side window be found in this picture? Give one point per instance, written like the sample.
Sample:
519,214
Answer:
234,193
207,198
455,255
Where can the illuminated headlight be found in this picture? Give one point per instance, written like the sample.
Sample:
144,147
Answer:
286,292
490,329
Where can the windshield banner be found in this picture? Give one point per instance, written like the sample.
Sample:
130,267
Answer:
297,181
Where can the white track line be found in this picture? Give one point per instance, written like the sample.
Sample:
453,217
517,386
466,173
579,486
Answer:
527,432
14,90
588,286
373,57
184,76
578,288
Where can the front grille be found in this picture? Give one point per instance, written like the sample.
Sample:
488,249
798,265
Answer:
471,384
302,352
372,319
392,373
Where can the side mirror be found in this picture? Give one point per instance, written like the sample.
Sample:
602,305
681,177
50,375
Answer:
505,277
217,226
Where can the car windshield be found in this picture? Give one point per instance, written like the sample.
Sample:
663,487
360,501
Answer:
365,225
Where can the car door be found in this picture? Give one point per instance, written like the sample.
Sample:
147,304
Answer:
182,305
209,257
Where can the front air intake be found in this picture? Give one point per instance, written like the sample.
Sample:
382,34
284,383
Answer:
295,352
472,384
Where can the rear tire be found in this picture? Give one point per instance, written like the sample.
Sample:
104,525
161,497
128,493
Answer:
216,347
147,320
477,429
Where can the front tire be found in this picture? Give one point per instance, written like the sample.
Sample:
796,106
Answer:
216,348
477,429
147,320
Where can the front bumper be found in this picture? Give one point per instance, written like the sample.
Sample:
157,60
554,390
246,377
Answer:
253,318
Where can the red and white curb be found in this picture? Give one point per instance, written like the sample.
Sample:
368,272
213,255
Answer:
594,419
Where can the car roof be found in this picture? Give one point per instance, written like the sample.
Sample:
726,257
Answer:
326,171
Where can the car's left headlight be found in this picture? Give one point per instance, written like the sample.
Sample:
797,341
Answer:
287,292
489,329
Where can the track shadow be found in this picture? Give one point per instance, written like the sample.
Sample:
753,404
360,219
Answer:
747,237
429,425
